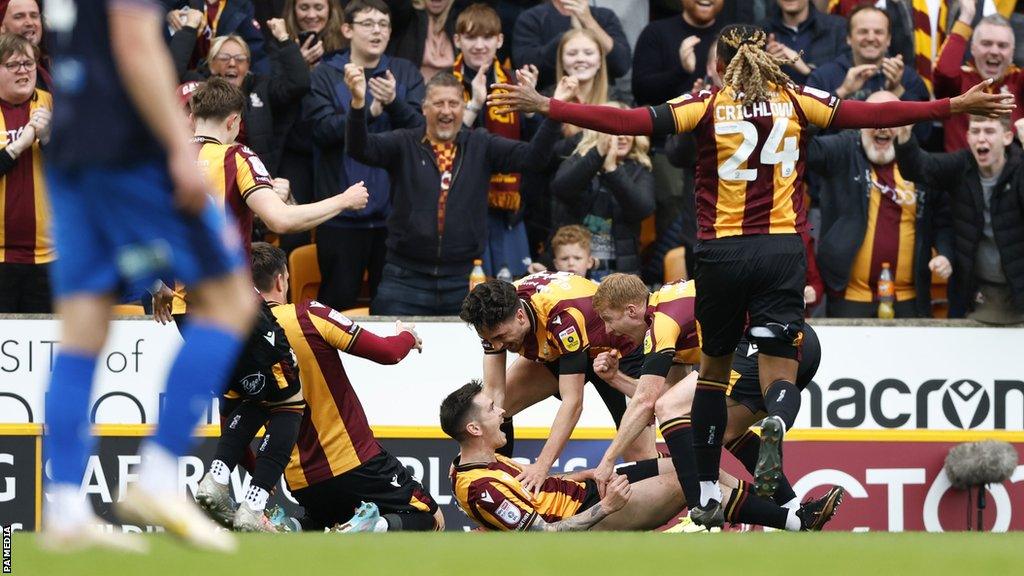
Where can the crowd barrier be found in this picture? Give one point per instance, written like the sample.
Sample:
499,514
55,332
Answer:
887,404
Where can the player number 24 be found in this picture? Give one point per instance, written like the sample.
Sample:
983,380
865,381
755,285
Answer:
777,149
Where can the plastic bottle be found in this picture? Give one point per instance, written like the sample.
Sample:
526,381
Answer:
477,276
504,274
886,293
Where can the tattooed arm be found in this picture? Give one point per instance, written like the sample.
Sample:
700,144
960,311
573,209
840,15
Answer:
616,496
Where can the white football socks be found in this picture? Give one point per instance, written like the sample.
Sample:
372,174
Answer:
709,491
256,498
220,472
793,522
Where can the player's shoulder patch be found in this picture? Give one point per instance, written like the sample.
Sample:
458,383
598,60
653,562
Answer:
648,342
570,339
340,318
829,99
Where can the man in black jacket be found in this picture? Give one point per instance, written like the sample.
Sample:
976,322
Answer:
440,176
986,184
872,214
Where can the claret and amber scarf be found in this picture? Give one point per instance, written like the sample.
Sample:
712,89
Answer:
504,191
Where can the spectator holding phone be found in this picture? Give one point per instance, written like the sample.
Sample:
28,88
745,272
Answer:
316,26
352,244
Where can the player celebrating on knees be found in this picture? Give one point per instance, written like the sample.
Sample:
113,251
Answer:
664,322
750,193
337,467
547,318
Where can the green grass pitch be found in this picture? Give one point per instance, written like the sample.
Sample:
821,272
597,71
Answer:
477,554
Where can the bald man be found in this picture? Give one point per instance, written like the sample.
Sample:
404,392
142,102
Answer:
871,215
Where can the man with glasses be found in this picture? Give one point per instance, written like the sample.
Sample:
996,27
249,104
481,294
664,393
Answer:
26,247
352,244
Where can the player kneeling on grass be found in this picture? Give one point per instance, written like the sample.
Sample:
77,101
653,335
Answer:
485,485
264,391
337,467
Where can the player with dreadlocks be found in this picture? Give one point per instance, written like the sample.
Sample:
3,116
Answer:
750,194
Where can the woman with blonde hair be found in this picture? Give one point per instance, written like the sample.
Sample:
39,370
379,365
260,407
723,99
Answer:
316,26
606,186
581,56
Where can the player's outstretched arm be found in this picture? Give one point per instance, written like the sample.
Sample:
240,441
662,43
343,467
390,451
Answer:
616,496
637,417
570,388
524,98
284,218
387,349
855,114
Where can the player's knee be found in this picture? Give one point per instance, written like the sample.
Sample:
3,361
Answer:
669,407
774,339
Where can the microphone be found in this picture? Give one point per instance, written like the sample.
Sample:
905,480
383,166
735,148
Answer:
979,463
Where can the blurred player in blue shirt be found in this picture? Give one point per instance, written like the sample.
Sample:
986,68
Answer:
129,209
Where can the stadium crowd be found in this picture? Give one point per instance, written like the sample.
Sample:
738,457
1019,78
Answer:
452,180
421,147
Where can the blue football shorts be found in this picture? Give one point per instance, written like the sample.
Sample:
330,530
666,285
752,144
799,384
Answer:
118,230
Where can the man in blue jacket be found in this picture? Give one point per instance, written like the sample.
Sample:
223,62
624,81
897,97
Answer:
353,244
869,68
440,177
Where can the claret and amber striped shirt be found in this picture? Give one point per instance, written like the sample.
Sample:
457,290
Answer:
490,494
24,208
750,174
561,312
334,436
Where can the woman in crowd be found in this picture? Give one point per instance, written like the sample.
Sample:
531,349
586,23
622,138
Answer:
607,187
424,35
580,55
316,26
270,99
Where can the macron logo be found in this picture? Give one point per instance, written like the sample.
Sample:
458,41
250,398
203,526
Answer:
394,481
269,336
487,497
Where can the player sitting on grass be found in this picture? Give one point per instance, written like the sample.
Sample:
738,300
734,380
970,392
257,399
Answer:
484,484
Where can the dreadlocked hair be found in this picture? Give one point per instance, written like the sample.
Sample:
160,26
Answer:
750,70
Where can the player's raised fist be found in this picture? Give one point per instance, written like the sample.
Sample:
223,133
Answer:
606,365
356,197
